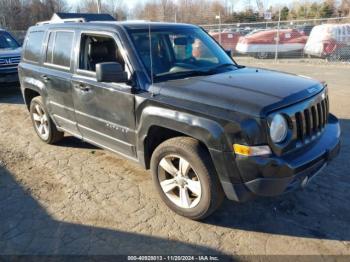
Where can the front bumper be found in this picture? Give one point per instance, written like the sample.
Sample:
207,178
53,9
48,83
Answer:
9,76
272,176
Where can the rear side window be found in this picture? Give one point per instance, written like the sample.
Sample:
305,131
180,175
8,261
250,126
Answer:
33,46
59,48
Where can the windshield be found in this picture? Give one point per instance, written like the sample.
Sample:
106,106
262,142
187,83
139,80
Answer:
179,52
7,41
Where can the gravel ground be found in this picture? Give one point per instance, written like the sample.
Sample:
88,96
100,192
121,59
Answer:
73,198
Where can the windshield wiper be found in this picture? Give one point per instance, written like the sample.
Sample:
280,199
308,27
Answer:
215,68
187,73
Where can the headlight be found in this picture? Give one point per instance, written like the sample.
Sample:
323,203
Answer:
278,128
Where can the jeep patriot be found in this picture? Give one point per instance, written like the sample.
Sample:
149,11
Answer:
169,97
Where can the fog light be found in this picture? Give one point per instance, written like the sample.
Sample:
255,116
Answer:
244,150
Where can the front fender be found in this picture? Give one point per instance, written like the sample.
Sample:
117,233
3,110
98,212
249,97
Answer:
208,131
205,130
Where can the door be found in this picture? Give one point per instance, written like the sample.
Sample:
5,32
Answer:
104,111
57,75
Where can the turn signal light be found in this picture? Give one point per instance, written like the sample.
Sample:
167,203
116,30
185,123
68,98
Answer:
244,150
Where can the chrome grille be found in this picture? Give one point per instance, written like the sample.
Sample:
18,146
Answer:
311,121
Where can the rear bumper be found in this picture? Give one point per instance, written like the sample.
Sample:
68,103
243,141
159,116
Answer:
272,176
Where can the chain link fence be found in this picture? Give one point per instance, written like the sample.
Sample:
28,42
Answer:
313,39
325,39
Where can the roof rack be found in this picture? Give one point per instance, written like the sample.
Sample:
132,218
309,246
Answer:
68,20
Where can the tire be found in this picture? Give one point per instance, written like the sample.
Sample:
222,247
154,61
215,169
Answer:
262,55
334,57
42,123
198,177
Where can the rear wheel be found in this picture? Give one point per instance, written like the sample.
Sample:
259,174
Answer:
43,125
185,178
334,57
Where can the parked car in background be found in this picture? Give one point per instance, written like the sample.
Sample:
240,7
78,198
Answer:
10,55
211,31
330,41
229,40
229,30
306,29
262,44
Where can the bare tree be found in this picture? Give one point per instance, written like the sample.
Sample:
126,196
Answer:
88,6
344,8
116,8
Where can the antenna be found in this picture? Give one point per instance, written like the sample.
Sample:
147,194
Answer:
150,52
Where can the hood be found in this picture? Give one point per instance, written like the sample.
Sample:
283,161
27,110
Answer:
247,90
9,52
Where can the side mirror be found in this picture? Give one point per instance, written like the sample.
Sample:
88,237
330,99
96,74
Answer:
110,72
228,52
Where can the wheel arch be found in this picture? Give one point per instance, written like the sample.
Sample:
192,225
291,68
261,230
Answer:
158,124
29,94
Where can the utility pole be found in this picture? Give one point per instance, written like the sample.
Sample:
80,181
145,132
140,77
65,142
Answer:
99,6
278,34
219,18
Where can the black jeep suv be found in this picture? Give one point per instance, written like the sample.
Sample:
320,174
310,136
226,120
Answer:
169,97
10,56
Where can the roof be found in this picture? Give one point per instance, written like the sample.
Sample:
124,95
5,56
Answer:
87,16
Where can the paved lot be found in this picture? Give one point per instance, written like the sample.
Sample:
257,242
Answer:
73,198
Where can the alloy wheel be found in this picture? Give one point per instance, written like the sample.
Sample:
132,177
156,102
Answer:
179,181
41,122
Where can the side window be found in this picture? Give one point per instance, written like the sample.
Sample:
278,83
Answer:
59,48
33,46
98,49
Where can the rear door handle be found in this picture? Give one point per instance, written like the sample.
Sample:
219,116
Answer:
45,78
82,87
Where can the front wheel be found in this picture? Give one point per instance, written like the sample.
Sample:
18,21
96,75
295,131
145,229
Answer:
262,55
43,125
185,178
